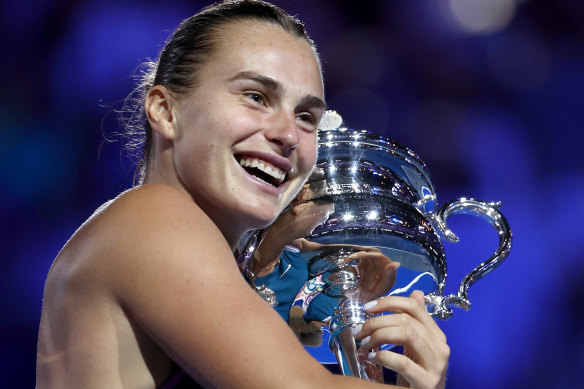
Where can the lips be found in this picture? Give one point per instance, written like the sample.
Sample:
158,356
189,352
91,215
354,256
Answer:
263,170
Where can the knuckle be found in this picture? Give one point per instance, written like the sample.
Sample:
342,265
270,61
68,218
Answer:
411,334
442,338
404,319
445,351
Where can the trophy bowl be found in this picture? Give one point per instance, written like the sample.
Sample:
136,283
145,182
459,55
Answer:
373,204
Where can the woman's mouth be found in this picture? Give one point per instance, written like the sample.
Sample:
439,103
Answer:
263,170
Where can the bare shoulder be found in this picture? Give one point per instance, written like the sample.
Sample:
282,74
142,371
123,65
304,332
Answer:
156,208
151,221
159,226
122,282
151,231
84,321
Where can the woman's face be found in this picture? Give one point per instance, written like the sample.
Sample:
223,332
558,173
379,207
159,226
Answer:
246,134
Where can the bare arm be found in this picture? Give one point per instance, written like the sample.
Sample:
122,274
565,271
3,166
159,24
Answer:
306,245
177,278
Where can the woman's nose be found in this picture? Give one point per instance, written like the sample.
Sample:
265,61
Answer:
283,132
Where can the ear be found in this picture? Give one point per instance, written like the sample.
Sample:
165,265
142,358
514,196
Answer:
159,105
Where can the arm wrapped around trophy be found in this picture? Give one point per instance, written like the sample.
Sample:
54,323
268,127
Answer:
366,225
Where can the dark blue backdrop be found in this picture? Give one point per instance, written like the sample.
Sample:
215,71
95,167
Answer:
489,93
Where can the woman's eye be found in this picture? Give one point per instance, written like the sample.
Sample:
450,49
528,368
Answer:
255,97
307,118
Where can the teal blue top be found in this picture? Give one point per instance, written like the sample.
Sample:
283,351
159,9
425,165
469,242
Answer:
287,278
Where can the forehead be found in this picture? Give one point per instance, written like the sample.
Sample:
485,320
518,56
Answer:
266,49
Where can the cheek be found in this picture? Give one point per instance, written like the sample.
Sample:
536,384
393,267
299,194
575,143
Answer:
307,154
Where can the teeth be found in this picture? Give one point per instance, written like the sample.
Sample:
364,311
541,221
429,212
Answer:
264,167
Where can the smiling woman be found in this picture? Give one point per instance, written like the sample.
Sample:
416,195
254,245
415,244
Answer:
147,290
270,173
249,101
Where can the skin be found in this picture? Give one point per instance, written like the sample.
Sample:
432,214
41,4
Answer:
148,284
289,228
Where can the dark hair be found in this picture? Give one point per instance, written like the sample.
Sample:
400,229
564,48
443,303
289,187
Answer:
176,68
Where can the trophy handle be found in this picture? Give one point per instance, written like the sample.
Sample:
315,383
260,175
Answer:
440,304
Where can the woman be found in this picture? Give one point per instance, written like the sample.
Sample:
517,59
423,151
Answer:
148,286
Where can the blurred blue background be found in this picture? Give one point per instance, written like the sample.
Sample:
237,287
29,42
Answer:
489,93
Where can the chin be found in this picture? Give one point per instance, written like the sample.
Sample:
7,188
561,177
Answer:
264,221
263,215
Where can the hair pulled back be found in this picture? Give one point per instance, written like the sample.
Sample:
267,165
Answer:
177,65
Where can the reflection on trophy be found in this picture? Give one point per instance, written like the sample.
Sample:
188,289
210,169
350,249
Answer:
372,205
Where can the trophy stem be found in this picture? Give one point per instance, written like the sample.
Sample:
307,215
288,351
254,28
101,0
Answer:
343,344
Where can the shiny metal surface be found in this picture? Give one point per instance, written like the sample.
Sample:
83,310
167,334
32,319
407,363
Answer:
440,305
356,157
343,344
382,208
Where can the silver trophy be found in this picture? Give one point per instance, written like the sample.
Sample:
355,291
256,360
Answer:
373,204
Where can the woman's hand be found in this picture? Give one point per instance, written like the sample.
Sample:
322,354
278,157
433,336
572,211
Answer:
375,271
425,358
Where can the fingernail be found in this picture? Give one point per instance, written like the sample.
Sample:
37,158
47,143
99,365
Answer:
371,355
397,265
365,342
370,304
357,329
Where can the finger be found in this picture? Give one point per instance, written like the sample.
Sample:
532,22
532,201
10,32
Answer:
366,254
371,264
429,354
368,249
409,305
376,277
416,376
418,295
401,330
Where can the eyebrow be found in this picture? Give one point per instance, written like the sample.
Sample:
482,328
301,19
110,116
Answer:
313,102
268,82
264,80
